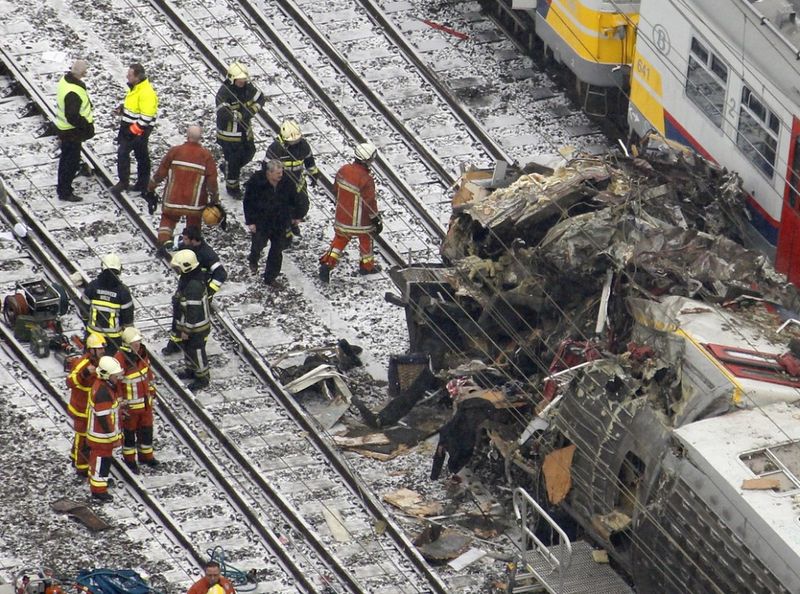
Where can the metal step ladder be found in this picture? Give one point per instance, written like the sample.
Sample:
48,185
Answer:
562,568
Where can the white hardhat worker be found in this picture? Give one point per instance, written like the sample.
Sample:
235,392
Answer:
365,152
131,335
238,71
108,368
184,261
290,131
111,262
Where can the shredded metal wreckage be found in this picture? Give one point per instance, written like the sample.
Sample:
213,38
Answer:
617,333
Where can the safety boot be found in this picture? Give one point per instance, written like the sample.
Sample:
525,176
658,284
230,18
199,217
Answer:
118,188
185,373
102,497
132,466
152,462
325,273
198,384
171,348
363,271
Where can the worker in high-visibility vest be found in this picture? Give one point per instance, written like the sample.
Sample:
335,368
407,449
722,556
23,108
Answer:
75,124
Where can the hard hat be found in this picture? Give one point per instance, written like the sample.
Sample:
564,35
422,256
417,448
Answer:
111,262
21,230
212,215
238,71
365,151
108,366
184,261
95,341
131,334
290,131
216,589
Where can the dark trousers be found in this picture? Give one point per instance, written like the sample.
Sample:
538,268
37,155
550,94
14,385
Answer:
138,145
68,165
237,155
194,353
277,242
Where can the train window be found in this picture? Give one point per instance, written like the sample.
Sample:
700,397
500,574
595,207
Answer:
780,462
707,81
757,135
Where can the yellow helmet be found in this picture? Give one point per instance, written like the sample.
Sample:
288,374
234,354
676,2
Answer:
216,589
108,366
184,261
111,262
238,71
130,335
290,131
95,341
212,215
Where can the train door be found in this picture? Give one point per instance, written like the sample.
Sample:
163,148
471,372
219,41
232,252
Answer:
787,259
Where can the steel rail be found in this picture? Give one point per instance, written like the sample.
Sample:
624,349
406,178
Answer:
259,367
216,63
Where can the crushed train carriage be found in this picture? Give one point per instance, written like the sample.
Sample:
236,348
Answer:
675,354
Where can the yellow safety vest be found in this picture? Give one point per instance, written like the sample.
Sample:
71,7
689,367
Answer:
64,89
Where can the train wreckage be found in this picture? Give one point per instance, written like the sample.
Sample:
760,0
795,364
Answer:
630,364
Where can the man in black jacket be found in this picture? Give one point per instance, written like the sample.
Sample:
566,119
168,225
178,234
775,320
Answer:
237,100
270,204
75,124
191,318
107,304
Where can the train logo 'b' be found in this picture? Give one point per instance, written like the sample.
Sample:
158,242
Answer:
661,39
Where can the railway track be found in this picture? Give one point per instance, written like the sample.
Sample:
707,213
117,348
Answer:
275,453
422,143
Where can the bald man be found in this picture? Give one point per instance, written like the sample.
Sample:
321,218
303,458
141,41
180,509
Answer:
75,124
191,174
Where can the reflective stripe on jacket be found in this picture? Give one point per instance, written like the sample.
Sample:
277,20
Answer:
356,204
80,381
137,377
140,106
191,175
103,426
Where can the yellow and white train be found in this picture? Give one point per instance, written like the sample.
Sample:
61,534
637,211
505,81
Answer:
720,76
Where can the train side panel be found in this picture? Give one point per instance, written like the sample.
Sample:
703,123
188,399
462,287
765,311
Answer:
709,78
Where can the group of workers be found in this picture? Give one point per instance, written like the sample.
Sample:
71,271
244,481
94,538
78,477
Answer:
275,197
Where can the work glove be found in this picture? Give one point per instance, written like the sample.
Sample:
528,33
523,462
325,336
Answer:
377,224
237,115
313,181
136,129
152,201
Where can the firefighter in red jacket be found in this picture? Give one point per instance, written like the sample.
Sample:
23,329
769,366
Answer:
356,213
80,381
138,394
191,174
103,434
212,581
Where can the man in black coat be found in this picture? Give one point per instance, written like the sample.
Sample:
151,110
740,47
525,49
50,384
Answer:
107,304
75,124
270,204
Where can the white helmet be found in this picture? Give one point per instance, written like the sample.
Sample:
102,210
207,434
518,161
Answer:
365,151
108,366
131,335
184,261
238,71
290,131
111,262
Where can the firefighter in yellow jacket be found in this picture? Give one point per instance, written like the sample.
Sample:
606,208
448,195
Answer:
138,394
103,434
80,381
137,118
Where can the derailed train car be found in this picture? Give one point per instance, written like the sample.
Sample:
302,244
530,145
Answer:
715,76
675,421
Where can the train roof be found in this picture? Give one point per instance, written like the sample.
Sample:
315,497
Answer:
750,444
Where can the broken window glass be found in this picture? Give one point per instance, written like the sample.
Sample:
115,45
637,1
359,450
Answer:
706,81
757,136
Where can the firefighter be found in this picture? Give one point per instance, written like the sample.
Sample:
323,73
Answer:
356,213
291,149
107,303
80,381
270,201
191,321
191,174
103,432
213,581
214,271
237,100
138,394
75,124
138,116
